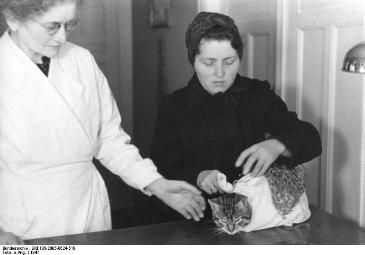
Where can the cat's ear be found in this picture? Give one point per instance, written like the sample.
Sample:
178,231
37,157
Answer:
240,198
213,204
243,200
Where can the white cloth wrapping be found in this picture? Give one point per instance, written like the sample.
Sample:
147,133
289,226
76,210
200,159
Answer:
50,129
264,213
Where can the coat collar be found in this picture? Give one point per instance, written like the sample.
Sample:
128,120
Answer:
196,93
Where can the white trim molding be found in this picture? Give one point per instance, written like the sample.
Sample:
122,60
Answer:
362,155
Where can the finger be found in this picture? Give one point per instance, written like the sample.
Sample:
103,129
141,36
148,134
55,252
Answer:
192,213
220,191
206,189
184,186
249,164
213,188
257,168
265,167
242,157
184,213
196,207
200,200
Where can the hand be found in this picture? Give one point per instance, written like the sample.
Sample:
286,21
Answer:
259,157
7,238
208,181
179,195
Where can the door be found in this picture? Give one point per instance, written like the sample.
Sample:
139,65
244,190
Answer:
315,37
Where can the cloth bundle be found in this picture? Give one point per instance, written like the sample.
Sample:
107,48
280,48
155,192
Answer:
265,213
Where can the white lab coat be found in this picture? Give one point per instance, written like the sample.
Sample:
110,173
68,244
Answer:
50,129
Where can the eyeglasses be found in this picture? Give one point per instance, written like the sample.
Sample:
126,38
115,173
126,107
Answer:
53,27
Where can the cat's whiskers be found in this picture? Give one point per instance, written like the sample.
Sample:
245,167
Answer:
217,231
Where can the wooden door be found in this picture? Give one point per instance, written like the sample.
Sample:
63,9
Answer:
315,37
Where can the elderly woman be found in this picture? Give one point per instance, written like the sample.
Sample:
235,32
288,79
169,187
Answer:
57,113
223,122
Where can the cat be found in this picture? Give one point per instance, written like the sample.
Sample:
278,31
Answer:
231,212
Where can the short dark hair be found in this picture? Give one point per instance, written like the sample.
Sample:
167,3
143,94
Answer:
212,26
219,33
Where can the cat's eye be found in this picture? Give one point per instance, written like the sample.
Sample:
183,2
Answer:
219,223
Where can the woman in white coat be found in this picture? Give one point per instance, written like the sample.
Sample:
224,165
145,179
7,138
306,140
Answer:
57,113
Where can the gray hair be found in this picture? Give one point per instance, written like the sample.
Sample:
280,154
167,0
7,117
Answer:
23,9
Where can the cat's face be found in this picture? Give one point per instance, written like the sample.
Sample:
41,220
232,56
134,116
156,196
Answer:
231,212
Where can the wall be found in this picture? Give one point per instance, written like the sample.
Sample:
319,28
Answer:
160,63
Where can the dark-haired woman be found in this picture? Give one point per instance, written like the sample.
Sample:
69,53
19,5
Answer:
220,121
57,113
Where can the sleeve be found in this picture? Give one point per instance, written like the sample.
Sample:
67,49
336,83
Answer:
300,138
166,148
113,148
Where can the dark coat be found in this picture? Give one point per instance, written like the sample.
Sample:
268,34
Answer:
196,131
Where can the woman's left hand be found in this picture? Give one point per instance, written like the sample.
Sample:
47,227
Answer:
181,196
259,157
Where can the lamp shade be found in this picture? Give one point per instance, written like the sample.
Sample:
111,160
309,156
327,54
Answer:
354,61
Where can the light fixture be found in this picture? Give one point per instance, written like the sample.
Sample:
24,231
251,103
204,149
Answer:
354,61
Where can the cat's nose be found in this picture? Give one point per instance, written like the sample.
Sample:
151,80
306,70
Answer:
230,228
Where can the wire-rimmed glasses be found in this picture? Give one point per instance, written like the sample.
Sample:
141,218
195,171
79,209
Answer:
52,28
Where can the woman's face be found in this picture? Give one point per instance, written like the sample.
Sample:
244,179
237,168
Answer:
32,36
216,65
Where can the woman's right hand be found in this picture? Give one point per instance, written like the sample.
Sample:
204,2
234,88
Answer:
7,238
208,181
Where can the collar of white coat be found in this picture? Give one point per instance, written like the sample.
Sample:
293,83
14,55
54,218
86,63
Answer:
62,63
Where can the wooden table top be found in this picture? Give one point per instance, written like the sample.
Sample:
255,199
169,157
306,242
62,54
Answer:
321,228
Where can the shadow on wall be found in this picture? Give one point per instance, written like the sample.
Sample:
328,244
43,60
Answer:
313,167
338,165
316,173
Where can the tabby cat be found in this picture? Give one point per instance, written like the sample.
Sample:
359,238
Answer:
231,212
